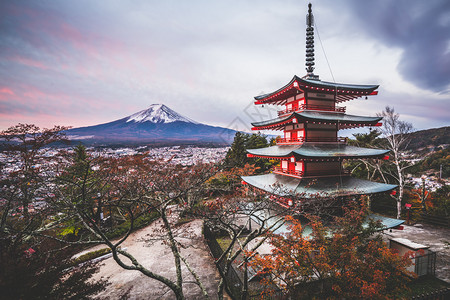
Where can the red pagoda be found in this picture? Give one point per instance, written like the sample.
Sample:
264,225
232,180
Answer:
310,152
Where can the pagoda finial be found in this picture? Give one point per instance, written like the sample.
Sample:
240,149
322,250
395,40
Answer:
310,44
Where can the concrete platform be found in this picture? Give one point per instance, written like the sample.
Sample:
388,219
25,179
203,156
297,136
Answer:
432,236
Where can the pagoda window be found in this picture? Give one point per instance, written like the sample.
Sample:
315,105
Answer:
290,99
301,101
299,166
301,133
287,134
284,164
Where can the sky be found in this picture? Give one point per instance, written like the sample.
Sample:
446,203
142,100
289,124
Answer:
84,62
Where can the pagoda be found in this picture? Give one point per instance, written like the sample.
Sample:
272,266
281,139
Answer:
311,153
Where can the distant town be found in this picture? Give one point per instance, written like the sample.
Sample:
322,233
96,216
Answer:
183,155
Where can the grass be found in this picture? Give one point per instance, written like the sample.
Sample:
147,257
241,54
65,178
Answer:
139,223
224,242
90,255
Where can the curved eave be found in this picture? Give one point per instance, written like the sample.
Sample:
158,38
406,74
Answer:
274,124
338,151
342,88
279,95
276,152
316,151
297,85
322,187
345,121
386,222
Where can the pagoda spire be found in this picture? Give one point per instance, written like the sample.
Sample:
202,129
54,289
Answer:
310,44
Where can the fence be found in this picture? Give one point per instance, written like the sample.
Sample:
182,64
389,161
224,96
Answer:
442,294
425,264
233,282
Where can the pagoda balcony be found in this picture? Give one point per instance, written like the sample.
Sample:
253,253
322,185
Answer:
292,173
286,141
302,174
301,107
300,140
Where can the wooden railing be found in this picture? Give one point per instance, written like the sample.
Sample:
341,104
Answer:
279,170
290,140
340,109
340,140
295,173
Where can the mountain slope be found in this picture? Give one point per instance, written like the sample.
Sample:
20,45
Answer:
157,124
429,137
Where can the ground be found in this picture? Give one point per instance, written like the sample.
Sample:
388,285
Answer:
437,238
156,256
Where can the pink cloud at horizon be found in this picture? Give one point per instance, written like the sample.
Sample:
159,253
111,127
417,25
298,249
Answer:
6,90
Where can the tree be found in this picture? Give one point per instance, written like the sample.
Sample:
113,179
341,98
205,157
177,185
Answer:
396,133
346,259
131,188
32,266
23,142
230,218
44,272
441,201
237,155
372,167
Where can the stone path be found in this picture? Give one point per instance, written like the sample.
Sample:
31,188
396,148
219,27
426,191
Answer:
156,256
432,236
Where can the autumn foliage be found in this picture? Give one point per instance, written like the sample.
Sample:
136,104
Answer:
345,259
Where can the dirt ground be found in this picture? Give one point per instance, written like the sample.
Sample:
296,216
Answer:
432,236
156,256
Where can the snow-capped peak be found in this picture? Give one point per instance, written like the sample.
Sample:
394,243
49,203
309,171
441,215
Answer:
158,113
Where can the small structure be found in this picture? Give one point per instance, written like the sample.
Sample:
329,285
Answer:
424,260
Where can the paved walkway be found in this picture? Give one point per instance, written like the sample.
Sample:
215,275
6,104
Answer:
432,236
156,256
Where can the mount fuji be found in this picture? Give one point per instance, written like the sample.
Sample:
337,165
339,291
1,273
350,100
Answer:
157,124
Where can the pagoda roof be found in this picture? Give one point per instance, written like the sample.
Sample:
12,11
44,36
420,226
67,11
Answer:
266,218
307,150
297,85
322,187
345,121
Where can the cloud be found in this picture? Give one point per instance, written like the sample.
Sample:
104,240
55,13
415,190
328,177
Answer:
89,62
420,28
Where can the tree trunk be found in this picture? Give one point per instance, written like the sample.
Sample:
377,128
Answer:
400,190
245,281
